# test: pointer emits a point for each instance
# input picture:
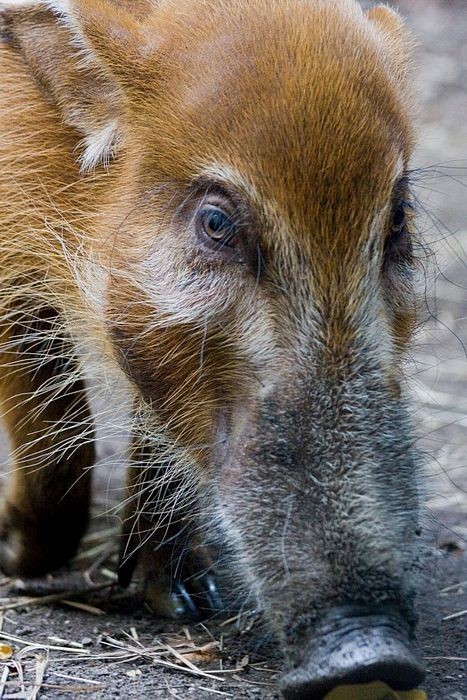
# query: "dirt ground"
(110, 646)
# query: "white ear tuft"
(69, 71)
(59, 6)
(63, 10)
(99, 147)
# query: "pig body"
(213, 199)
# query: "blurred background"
(438, 371)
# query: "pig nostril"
(357, 650)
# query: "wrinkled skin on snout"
(259, 295)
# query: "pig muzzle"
(354, 644)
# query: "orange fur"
(303, 112)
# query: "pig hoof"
(212, 594)
(176, 585)
(169, 598)
(176, 599)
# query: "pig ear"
(71, 48)
(111, 32)
(399, 41)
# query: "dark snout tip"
(359, 651)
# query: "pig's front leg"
(45, 505)
(160, 535)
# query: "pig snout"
(321, 495)
(355, 644)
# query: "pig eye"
(224, 228)
(399, 221)
(217, 226)
(398, 244)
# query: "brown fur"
(305, 104)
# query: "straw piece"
(3, 680)
(455, 615)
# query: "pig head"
(259, 291)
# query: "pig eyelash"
(401, 214)
(399, 242)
